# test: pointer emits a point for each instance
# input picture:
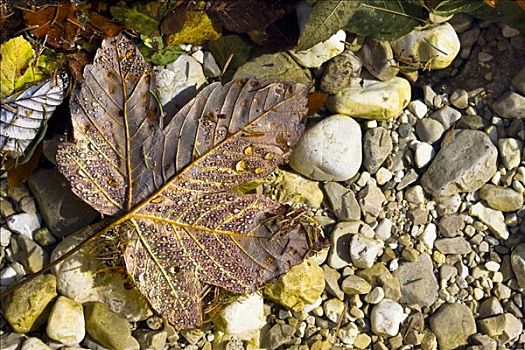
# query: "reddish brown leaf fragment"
(316, 100)
(57, 23)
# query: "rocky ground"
(421, 197)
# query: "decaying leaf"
(450, 7)
(58, 23)
(327, 17)
(386, 20)
(23, 114)
(18, 66)
(170, 178)
(282, 34)
(242, 16)
(134, 19)
(231, 50)
(185, 26)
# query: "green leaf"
(134, 19)
(449, 7)
(508, 12)
(230, 45)
(18, 68)
(386, 20)
(327, 17)
(166, 55)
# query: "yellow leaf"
(17, 54)
(18, 68)
(198, 27)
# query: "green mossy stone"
(27, 307)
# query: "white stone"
(364, 251)
(8, 276)
(182, 74)
(85, 278)
(386, 317)
(418, 108)
(424, 154)
(433, 47)
(383, 175)
(510, 152)
(5, 237)
(373, 99)
(494, 219)
(24, 224)
(66, 322)
(333, 308)
(383, 230)
(34, 344)
(318, 54)
(242, 318)
(492, 266)
(428, 236)
(340, 238)
(330, 150)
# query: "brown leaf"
(316, 100)
(242, 16)
(58, 23)
(16, 174)
(169, 179)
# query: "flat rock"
(386, 317)
(451, 225)
(371, 200)
(333, 308)
(433, 47)
(26, 308)
(510, 105)
(379, 275)
(301, 285)
(62, 211)
(330, 150)
(504, 328)
(179, 81)
(355, 285)
(66, 322)
(464, 164)
(447, 116)
(429, 130)
(418, 283)
(378, 58)
(452, 324)
(517, 259)
(501, 198)
(30, 254)
(373, 100)
(423, 154)
(85, 278)
(456, 245)
(492, 218)
(108, 328)
(318, 54)
(34, 344)
(24, 224)
(377, 146)
(342, 201)
(243, 318)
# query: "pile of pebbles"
(417, 181)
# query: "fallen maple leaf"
(168, 180)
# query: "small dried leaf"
(57, 23)
(189, 228)
(22, 115)
(242, 16)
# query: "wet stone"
(340, 71)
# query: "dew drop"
(248, 151)
(157, 200)
(240, 166)
(268, 156)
